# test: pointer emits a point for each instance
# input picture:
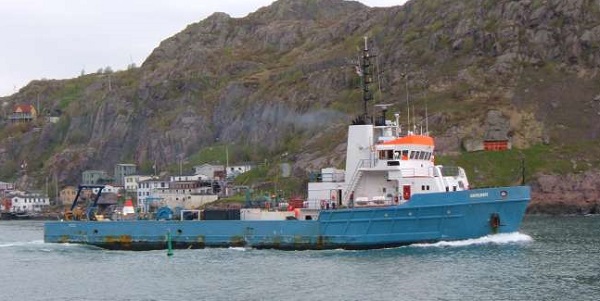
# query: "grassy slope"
(504, 168)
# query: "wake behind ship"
(391, 193)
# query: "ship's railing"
(450, 171)
(417, 172)
(320, 204)
(325, 177)
(365, 163)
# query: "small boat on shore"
(390, 194)
(15, 215)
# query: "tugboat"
(390, 194)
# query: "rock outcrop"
(566, 194)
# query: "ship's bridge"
(410, 148)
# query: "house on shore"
(122, 170)
(29, 203)
(23, 113)
(213, 172)
(95, 177)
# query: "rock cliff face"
(282, 81)
(566, 194)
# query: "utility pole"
(109, 83)
(522, 170)
(180, 157)
(38, 104)
(56, 186)
(226, 158)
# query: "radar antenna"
(384, 108)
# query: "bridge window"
(386, 154)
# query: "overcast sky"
(56, 39)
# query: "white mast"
(407, 105)
(414, 120)
(398, 128)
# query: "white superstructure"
(386, 168)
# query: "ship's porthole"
(179, 231)
(95, 231)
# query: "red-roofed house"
(23, 113)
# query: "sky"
(57, 39)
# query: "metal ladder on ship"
(354, 180)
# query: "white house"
(235, 170)
(4, 186)
(51, 119)
(148, 189)
(189, 194)
(196, 177)
(131, 182)
(29, 203)
(212, 171)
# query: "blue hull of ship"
(425, 218)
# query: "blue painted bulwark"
(425, 218)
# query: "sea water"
(551, 258)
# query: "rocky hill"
(279, 84)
